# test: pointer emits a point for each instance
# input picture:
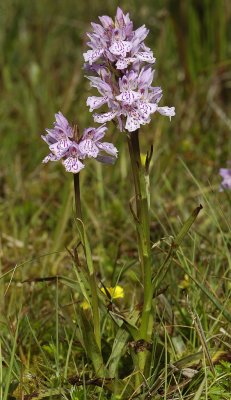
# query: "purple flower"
(117, 42)
(119, 60)
(226, 175)
(91, 145)
(64, 146)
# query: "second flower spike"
(65, 146)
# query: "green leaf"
(90, 345)
(175, 244)
(213, 299)
(186, 226)
(86, 244)
(119, 344)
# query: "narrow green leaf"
(200, 332)
(8, 378)
(200, 390)
(175, 244)
(119, 344)
(219, 306)
(186, 226)
(84, 240)
(91, 347)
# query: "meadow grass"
(41, 340)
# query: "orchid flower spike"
(121, 68)
(72, 151)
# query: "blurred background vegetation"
(41, 72)
(41, 47)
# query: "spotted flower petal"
(61, 147)
(101, 118)
(128, 96)
(168, 111)
(146, 56)
(123, 63)
(132, 123)
(72, 164)
(88, 148)
(93, 55)
(120, 48)
(95, 102)
(50, 157)
(134, 120)
(146, 108)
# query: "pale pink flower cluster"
(120, 67)
(65, 146)
(121, 70)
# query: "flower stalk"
(66, 145)
(78, 208)
(143, 235)
(92, 278)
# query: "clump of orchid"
(120, 67)
(121, 70)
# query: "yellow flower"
(184, 284)
(85, 305)
(116, 292)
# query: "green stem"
(134, 151)
(95, 309)
(92, 278)
(78, 208)
(143, 231)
